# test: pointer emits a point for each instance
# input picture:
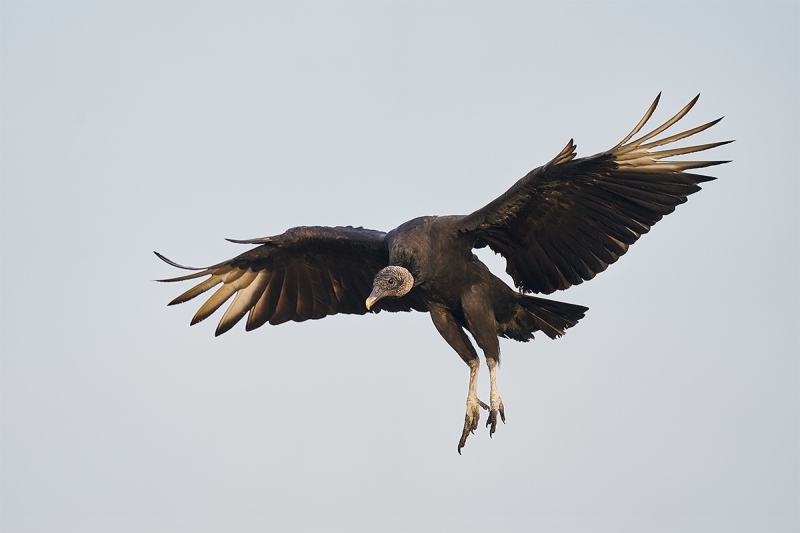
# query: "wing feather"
(198, 289)
(568, 220)
(304, 273)
(244, 300)
(265, 307)
(286, 309)
(215, 302)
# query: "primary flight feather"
(560, 225)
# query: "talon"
(464, 434)
(470, 421)
(492, 421)
(497, 407)
(462, 442)
(486, 407)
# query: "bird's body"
(440, 258)
(558, 226)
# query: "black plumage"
(558, 226)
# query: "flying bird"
(559, 225)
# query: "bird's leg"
(480, 318)
(473, 404)
(458, 340)
(496, 403)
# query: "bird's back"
(439, 257)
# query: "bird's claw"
(471, 420)
(491, 421)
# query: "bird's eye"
(390, 282)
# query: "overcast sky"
(129, 127)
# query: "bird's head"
(390, 282)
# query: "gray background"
(129, 127)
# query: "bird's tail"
(539, 314)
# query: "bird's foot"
(495, 409)
(471, 420)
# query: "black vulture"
(558, 226)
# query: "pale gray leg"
(482, 325)
(458, 340)
(494, 399)
(474, 404)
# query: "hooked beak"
(373, 297)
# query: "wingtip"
(260, 240)
(692, 102)
(224, 327)
(173, 263)
(566, 154)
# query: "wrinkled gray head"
(390, 282)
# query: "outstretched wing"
(567, 221)
(304, 273)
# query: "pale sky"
(128, 127)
